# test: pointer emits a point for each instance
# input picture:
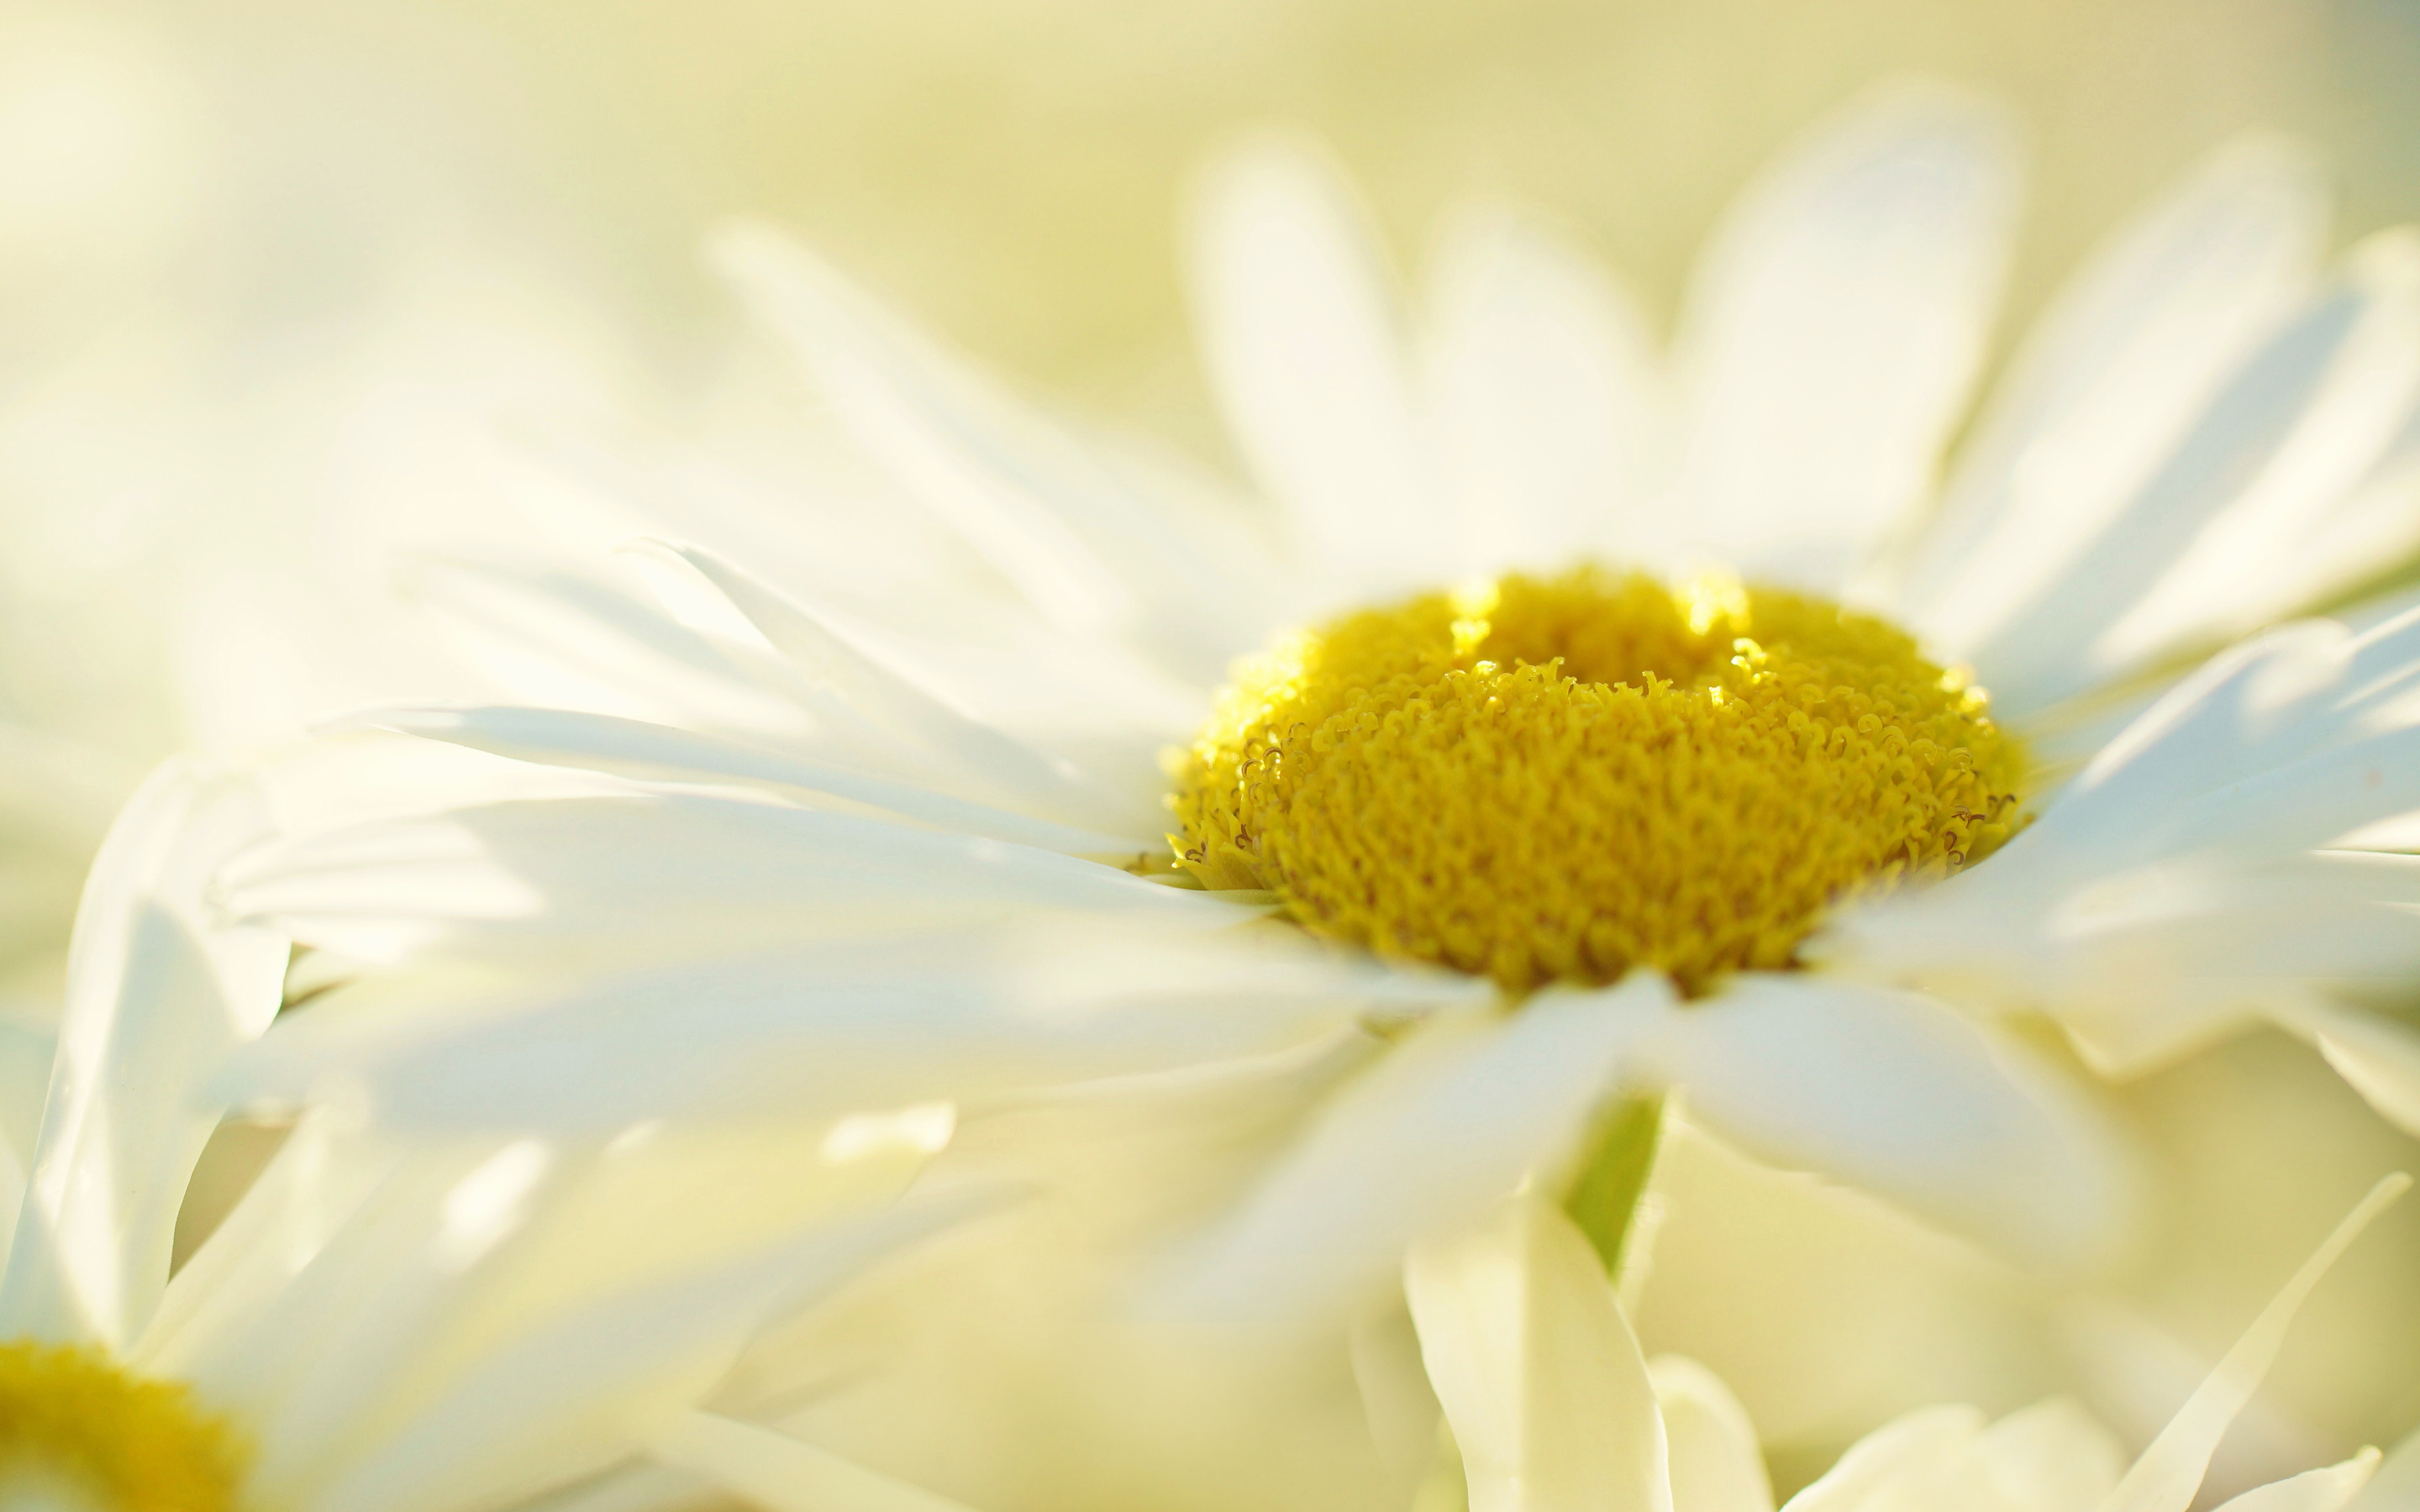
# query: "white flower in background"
(460, 1321)
(903, 783)
(1549, 1404)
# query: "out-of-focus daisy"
(1668, 800)
(454, 1321)
(1551, 1404)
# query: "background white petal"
(1893, 1093)
(1300, 331)
(1543, 1385)
(1548, 396)
(1832, 329)
(1448, 1120)
(158, 993)
(2130, 351)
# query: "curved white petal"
(974, 755)
(1083, 545)
(1710, 1445)
(1923, 1459)
(658, 876)
(2395, 1487)
(1549, 1400)
(1447, 1123)
(1301, 335)
(1546, 393)
(1834, 327)
(663, 753)
(158, 995)
(782, 1473)
(2169, 1473)
(2377, 1057)
(2172, 887)
(557, 638)
(825, 1031)
(1893, 1093)
(2327, 1490)
(2129, 353)
(2273, 453)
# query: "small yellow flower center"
(76, 1431)
(1545, 779)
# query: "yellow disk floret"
(75, 1430)
(1562, 778)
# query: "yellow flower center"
(75, 1430)
(1543, 780)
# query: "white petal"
(1546, 393)
(156, 997)
(2169, 1473)
(2052, 1456)
(1300, 330)
(977, 756)
(2130, 351)
(1081, 545)
(781, 1473)
(1893, 1093)
(1926, 1450)
(1447, 1123)
(571, 1396)
(1542, 1382)
(2288, 436)
(2395, 1487)
(1835, 325)
(804, 1033)
(2377, 1057)
(2314, 1490)
(2171, 888)
(635, 749)
(556, 639)
(615, 879)
(1712, 1447)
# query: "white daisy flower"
(1630, 731)
(1548, 1403)
(456, 1322)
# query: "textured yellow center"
(1545, 779)
(77, 1431)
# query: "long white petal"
(949, 1016)
(782, 1473)
(2327, 1490)
(1894, 1094)
(1708, 1442)
(157, 996)
(1834, 327)
(557, 638)
(2169, 1472)
(2131, 349)
(1546, 395)
(977, 756)
(1931, 1449)
(2290, 434)
(639, 877)
(1083, 545)
(1448, 1122)
(1300, 333)
(655, 752)
(2377, 1057)
(1543, 1385)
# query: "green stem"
(1615, 1165)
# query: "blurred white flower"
(460, 1320)
(1551, 1404)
